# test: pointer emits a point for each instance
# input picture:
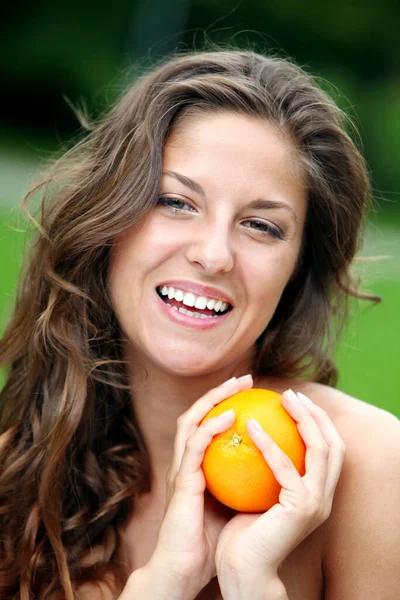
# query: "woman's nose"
(211, 249)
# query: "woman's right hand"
(188, 536)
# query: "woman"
(203, 231)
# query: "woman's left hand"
(251, 547)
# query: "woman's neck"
(160, 398)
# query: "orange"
(235, 470)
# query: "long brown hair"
(71, 455)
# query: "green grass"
(369, 353)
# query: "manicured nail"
(231, 380)
(256, 424)
(304, 399)
(226, 414)
(293, 396)
(246, 378)
(298, 407)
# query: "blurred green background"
(85, 53)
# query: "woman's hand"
(188, 536)
(251, 547)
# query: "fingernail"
(293, 396)
(246, 378)
(298, 406)
(226, 414)
(231, 380)
(304, 398)
(256, 424)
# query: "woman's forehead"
(233, 148)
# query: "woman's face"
(228, 227)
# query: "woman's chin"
(201, 364)
(190, 368)
(190, 359)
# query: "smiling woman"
(213, 227)
(204, 229)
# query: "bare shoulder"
(362, 535)
(371, 434)
(360, 424)
(360, 541)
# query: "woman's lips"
(197, 289)
(174, 315)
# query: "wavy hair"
(71, 456)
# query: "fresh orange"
(235, 470)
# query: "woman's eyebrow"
(255, 205)
(186, 181)
(266, 204)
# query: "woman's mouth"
(197, 307)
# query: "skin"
(211, 241)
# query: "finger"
(196, 446)
(190, 420)
(317, 450)
(201, 407)
(337, 449)
(280, 464)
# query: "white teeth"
(211, 304)
(218, 305)
(189, 299)
(193, 314)
(174, 307)
(201, 303)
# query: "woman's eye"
(265, 229)
(174, 204)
